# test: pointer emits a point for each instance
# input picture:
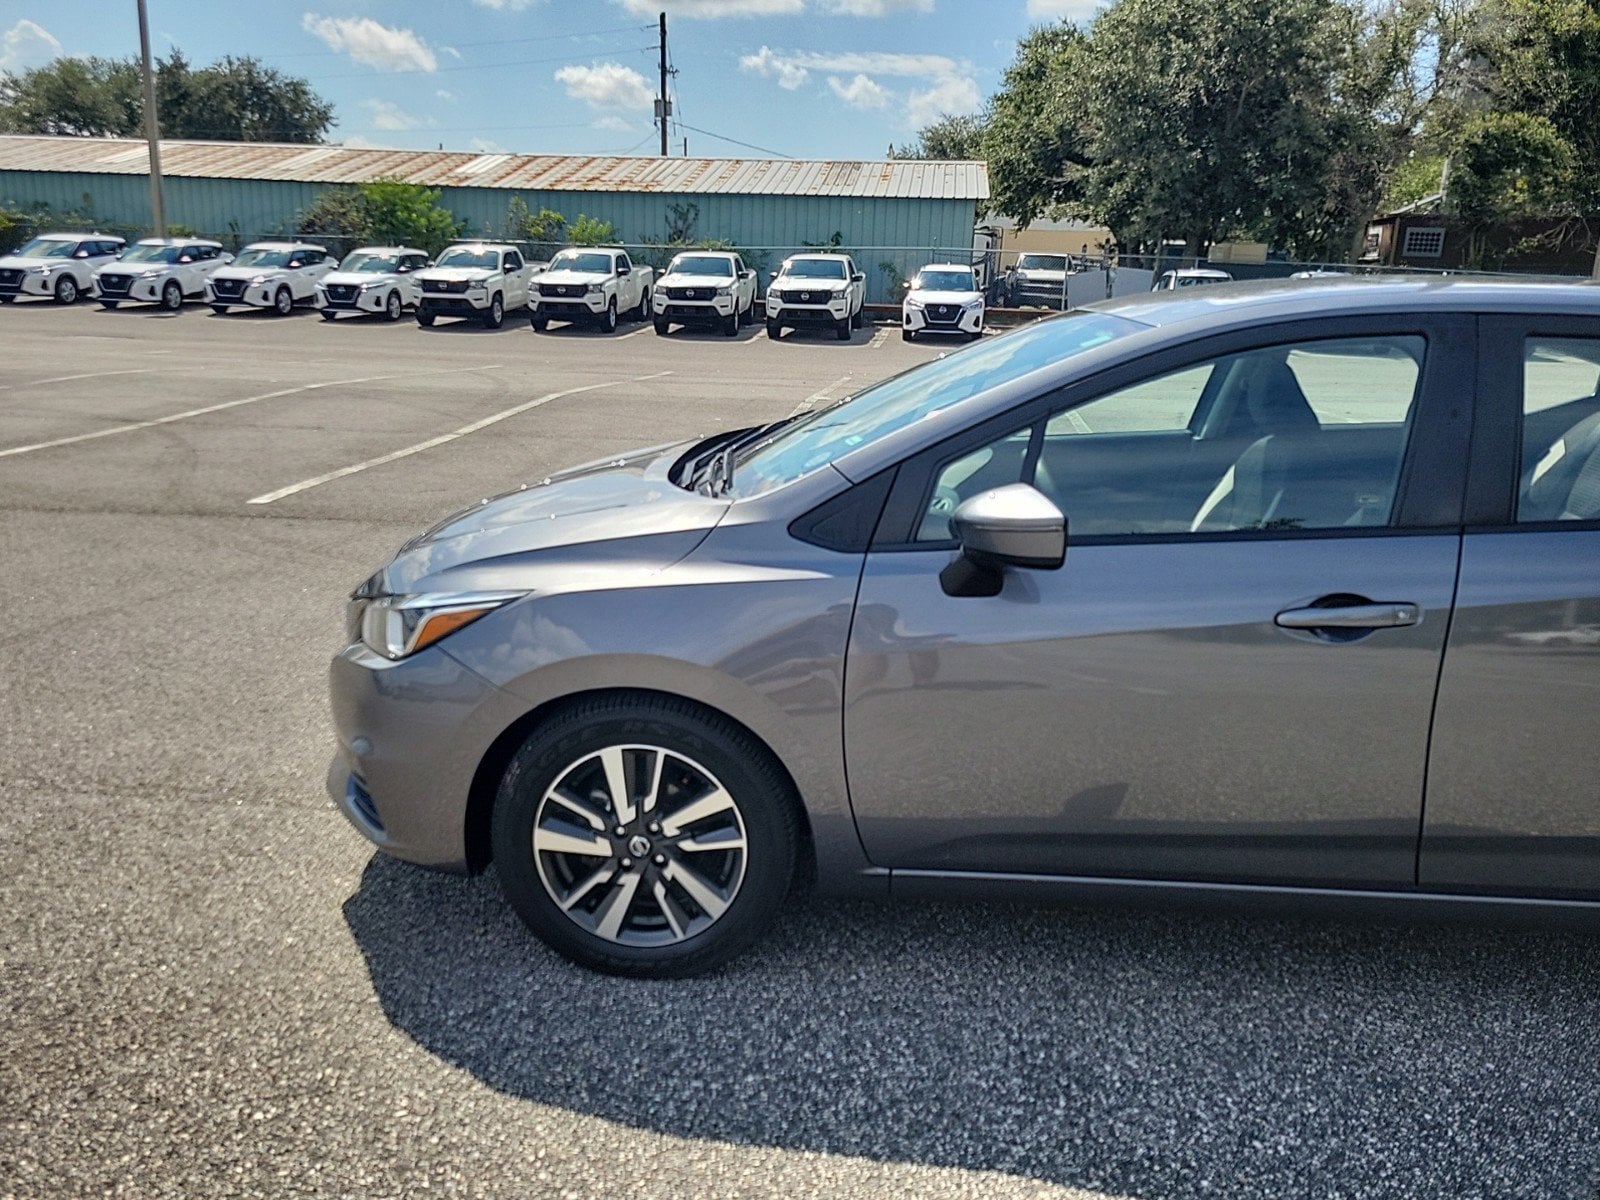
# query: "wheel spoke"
(614, 909)
(617, 783)
(589, 817)
(653, 792)
(702, 893)
(555, 841)
(722, 839)
(715, 801)
(669, 909)
(603, 875)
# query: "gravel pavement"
(210, 986)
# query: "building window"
(1423, 242)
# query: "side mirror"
(624, 269)
(772, 274)
(857, 277)
(80, 254)
(1011, 526)
(508, 268)
(184, 258)
(905, 284)
(295, 264)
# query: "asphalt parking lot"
(210, 986)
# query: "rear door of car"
(1513, 800)
(1170, 704)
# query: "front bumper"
(454, 306)
(31, 285)
(808, 314)
(368, 300)
(694, 312)
(935, 319)
(143, 291)
(569, 308)
(410, 737)
(253, 296)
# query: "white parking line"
(823, 394)
(211, 408)
(878, 338)
(318, 481)
(11, 387)
(635, 333)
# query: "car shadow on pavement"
(1137, 1053)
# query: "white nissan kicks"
(274, 275)
(373, 279)
(164, 271)
(942, 298)
(56, 265)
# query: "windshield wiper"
(719, 470)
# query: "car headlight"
(913, 302)
(398, 626)
(150, 274)
(596, 289)
(725, 291)
(258, 280)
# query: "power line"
(737, 142)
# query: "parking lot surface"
(210, 985)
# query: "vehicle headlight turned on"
(399, 626)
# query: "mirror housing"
(1011, 526)
(857, 277)
(624, 269)
(772, 274)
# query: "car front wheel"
(645, 837)
(172, 296)
(66, 290)
(283, 302)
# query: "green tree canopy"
(387, 212)
(958, 137)
(235, 99)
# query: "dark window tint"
(1560, 478)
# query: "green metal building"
(249, 190)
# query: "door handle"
(1391, 615)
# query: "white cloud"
(789, 74)
(386, 114)
(451, 51)
(27, 45)
(951, 96)
(607, 85)
(713, 8)
(371, 44)
(506, 5)
(485, 146)
(875, 8)
(446, 95)
(1062, 10)
(612, 125)
(357, 142)
(861, 92)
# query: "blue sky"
(799, 78)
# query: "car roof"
(1288, 299)
(387, 250)
(1199, 273)
(943, 267)
(80, 237)
(818, 254)
(172, 241)
(271, 244)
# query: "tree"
(545, 225)
(385, 211)
(1505, 166)
(1040, 125)
(950, 137)
(236, 99)
(587, 231)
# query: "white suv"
(164, 271)
(816, 291)
(61, 265)
(373, 279)
(275, 275)
(942, 298)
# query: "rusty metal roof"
(926, 179)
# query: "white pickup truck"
(595, 285)
(474, 279)
(706, 287)
(816, 291)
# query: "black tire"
(907, 336)
(495, 315)
(6, 299)
(841, 329)
(972, 337)
(172, 295)
(774, 330)
(730, 327)
(109, 304)
(662, 328)
(426, 319)
(641, 312)
(393, 307)
(859, 320)
(219, 308)
(748, 317)
(327, 314)
(607, 322)
(763, 804)
(539, 324)
(282, 301)
(67, 291)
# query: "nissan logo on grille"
(339, 291)
(228, 287)
(943, 311)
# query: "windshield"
(902, 400)
(943, 281)
(263, 258)
(147, 253)
(701, 264)
(1043, 262)
(1198, 280)
(814, 268)
(487, 260)
(578, 260)
(46, 248)
(369, 262)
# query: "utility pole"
(663, 105)
(152, 126)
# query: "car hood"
(12, 262)
(133, 268)
(573, 277)
(696, 281)
(796, 283)
(459, 274)
(357, 278)
(932, 297)
(617, 510)
(249, 273)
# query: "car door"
(516, 280)
(1512, 776)
(1230, 678)
(191, 269)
